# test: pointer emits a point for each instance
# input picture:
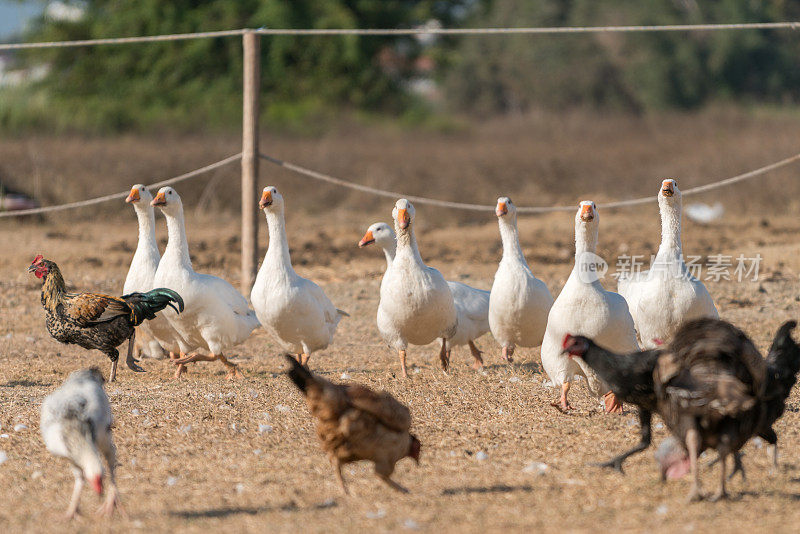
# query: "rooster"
(709, 385)
(76, 425)
(96, 321)
(356, 423)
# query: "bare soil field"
(196, 455)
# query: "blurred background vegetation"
(311, 81)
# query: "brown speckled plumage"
(355, 423)
(94, 320)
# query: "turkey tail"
(144, 306)
(299, 374)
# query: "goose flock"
(417, 306)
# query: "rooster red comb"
(37, 260)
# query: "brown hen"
(356, 423)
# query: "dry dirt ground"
(197, 454)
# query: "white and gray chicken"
(76, 425)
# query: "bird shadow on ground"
(528, 366)
(498, 488)
(25, 383)
(248, 510)
(770, 493)
(221, 512)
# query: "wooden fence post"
(250, 156)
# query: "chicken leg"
(72, 508)
(646, 437)
(392, 484)
(304, 357)
(476, 354)
(508, 352)
(384, 471)
(112, 377)
(129, 359)
(337, 468)
(693, 446)
(444, 356)
(738, 466)
(721, 492)
(112, 501)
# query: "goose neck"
(407, 244)
(389, 251)
(585, 239)
(670, 228)
(509, 235)
(278, 249)
(177, 244)
(147, 229)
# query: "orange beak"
(403, 219)
(160, 200)
(368, 239)
(97, 484)
(133, 196)
(586, 213)
(266, 200)
(501, 210)
(667, 188)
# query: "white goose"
(416, 304)
(585, 308)
(216, 316)
(143, 265)
(519, 301)
(296, 309)
(667, 295)
(472, 305)
(145, 260)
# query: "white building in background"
(63, 11)
(11, 77)
(15, 77)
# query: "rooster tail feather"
(785, 331)
(783, 346)
(144, 306)
(299, 374)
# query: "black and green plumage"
(94, 320)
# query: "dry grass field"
(207, 454)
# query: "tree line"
(197, 83)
